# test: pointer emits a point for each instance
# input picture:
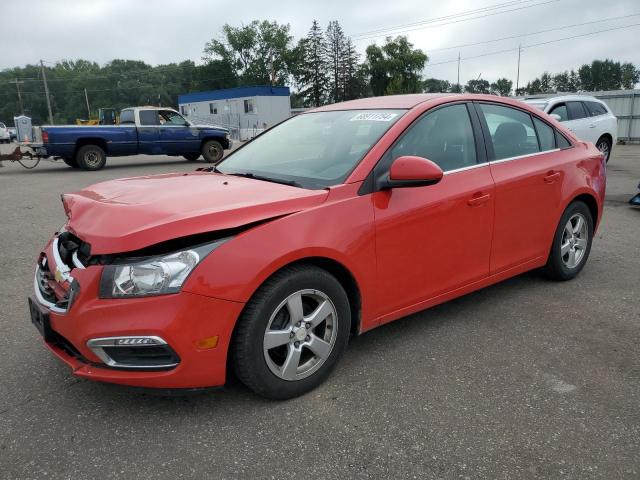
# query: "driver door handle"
(551, 177)
(478, 200)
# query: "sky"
(164, 31)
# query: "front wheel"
(212, 151)
(292, 332)
(91, 157)
(571, 243)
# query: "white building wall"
(267, 111)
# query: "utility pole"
(86, 97)
(46, 92)
(518, 75)
(458, 83)
(18, 83)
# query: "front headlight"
(156, 275)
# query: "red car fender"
(340, 231)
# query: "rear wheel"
(571, 243)
(192, 157)
(71, 162)
(91, 157)
(212, 151)
(292, 332)
(604, 145)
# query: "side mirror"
(555, 116)
(410, 171)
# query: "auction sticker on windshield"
(374, 117)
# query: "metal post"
(518, 76)
(46, 92)
(18, 83)
(86, 97)
(458, 83)
(633, 99)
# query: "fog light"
(206, 343)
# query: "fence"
(625, 105)
(230, 121)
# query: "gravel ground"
(525, 379)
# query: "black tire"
(558, 265)
(248, 352)
(212, 151)
(71, 162)
(192, 157)
(91, 157)
(604, 145)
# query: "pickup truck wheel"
(71, 162)
(91, 157)
(192, 157)
(212, 151)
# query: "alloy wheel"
(603, 146)
(574, 241)
(300, 335)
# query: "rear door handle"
(552, 177)
(478, 200)
(592, 125)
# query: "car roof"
(390, 101)
(563, 98)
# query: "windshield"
(314, 150)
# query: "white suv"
(589, 118)
(5, 136)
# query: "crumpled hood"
(132, 213)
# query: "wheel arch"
(223, 140)
(590, 201)
(97, 141)
(606, 135)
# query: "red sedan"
(331, 223)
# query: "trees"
(502, 87)
(477, 86)
(312, 75)
(395, 67)
(435, 85)
(258, 53)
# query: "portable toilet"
(24, 130)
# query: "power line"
(520, 35)
(535, 44)
(437, 19)
(456, 21)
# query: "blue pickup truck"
(142, 130)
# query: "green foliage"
(477, 86)
(395, 67)
(312, 74)
(260, 53)
(502, 87)
(435, 85)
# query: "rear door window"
(126, 117)
(148, 117)
(561, 111)
(546, 135)
(511, 130)
(576, 110)
(595, 109)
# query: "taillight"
(45, 136)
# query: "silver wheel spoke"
(294, 306)
(564, 248)
(579, 224)
(568, 230)
(572, 258)
(581, 243)
(319, 346)
(276, 338)
(319, 314)
(290, 365)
